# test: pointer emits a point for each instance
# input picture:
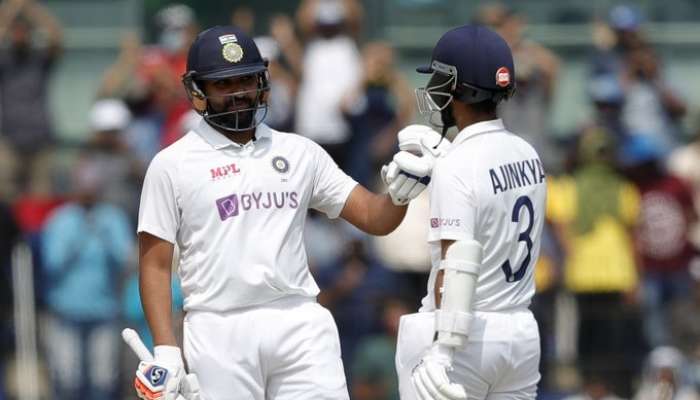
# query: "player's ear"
(195, 94)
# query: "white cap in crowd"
(109, 115)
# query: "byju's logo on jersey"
(232, 205)
(438, 222)
(225, 171)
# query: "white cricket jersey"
(237, 213)
(490, 187)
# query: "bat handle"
(134, 341)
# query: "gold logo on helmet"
(232, 52)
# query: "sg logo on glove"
(156, 375)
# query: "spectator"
(330, 68)
(652, 107)
(373, 371)
(108, 151)
(25, 70)
(663, 377)
(86, 244)
(662, 234)
(685, 163)
(121, 80)
(283, 86)
(379, 107)
(614, 38)
(351, 289)
(536, 74)
(593, 211)
(149, 79)
(608, 98)
(244, 19)
(307, 15)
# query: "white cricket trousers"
(500, 360)
(284, 350)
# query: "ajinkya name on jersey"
(516, 174)
(232, 205)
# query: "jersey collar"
(219, 141)
(478, 128)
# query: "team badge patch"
(232, 52)
(280, 164)
(503, 77)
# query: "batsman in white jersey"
(233, 194)
(474, 336)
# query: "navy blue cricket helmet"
(225, 52)
(470, 63)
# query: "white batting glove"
(423, 141)
(408, 174)
(430, 379)
(164, 377)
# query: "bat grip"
(134, 341)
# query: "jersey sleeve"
(331, 186)
(159, 213)
(453, 206)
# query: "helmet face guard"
(237, 120)
(435, 98)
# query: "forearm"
(156, 300)
(372, 213)
(383, 216)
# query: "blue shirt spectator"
(84, 251)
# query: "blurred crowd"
(618, 278)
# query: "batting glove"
(408, 174)
(430, 379)
(423, 141)
(164, 378)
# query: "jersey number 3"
(523, 237)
